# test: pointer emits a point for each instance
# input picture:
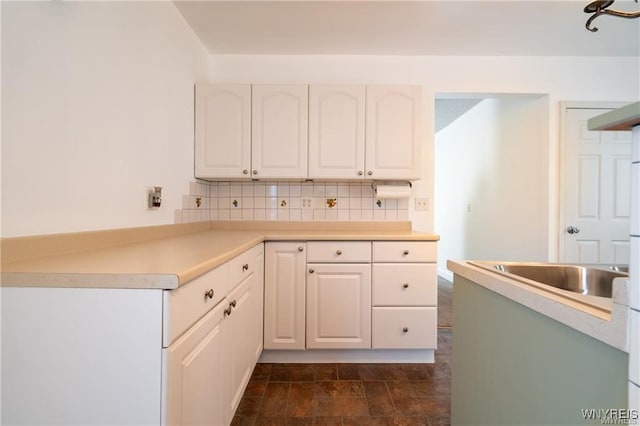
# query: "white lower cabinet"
(338, 306)
(404, 328)
(206, 370)
(195, 374)
(238, 340)
(355, 295)
(284, 295)
(405, 295)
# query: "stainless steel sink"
(595, 281)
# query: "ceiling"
(423, 28)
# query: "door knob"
(573, 230)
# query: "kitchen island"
(525, 355)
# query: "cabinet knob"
(245, 172)
(227, 311)
(245, 267)
(406, 252)
(339, 252)
(311, 271)
(300, 248)
(360, 173)
(233, 303)
(369, 172)
(405, 285)
(255, 172)
(405, 329)
(209, 294)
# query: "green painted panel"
(514, 366)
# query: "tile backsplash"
(288, 201)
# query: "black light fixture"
(600, 7)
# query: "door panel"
(596, 191)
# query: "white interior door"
(596, 191)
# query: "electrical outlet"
(307, 203)
(422, 204)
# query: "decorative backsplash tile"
(288, 201)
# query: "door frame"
(564, 106)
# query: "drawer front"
(338, 251)
(243, 265)
(404, 328)
(405, 251)
(185, 305)
(404, 284)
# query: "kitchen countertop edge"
(608, 328)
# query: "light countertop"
(602, 318)
(169, 262)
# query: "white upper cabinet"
(279, 131)
(308, 132)
(393, 132)
(336, 132)
(223, 131)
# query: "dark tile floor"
(354, 394)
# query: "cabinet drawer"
(185, 305)
(405, 251)
(243, 265)
(338, 251)
(389, 325)
(404, 284)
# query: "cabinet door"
(238, 342)
(192, 388)
(279, 131)
(336, 132)
(258, 311)
(284, 295)
(223, 131)
(393, 132)
(338, 306)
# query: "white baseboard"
(446, 274)
(349, 356)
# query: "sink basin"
(589, 280)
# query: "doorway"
(492, 179)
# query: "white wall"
(561, 78)
(492, 183)
(97, 107)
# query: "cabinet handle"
(227, 311)
(339, 252)
(405, 329)
(209, 294)
(245, 267)
(300, 248)
(369, 172)
(311, 271)
(406, 252)
(405, 285)
(255, 172)
(360, 173)
(233, 303)
(245, 172)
